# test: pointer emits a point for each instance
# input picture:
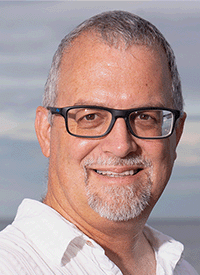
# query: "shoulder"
(184, 268)
(16, 254)
(169, 253)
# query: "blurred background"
(29, 35)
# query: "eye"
(84, 115)
(90, 117)
(144, 117)
(148, 117)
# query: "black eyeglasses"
(95, 122)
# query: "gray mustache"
(114, 161)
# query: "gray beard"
(119, 203)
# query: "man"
(110, 124)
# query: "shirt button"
(89, 243)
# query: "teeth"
(113, 174)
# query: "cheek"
(69, 153)
(78, 149)
(162, 154)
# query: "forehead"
(93, 72)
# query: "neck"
(102, 230)
(126, 245)
(124, 242)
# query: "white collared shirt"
(40, 241)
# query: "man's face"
(119, 175)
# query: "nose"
(119, 142)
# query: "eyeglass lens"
(96, 122)
(88, 122)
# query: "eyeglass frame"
(116, 113)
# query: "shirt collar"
(167, 250)
(51, 233)
(46, 229)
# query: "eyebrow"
(84, 102)
(89, 103)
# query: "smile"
(114, 174)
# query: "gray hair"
(113, 28)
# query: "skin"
(94, 73)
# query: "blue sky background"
(29, 35)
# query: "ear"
(43, 128)
(179, 128)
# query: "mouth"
(113, 174)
